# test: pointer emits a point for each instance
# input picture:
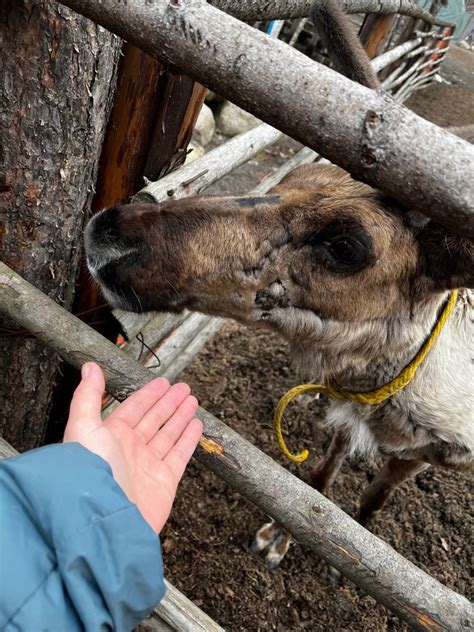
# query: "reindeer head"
(319, 247)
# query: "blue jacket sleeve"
(75, 553)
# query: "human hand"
(147, 441)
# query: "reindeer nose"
(104, 240)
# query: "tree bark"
(318, 524)
(58, 75)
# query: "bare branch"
(201, 173)
(251, 10)
(366, 132)
(314, 520)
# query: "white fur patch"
(362, 441)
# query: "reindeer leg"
(392, 473)
(273, 537)
(325, 472)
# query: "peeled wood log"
(385, 59)
(366, 132)
(175, 611)
(251, 10)
(314, 521)
(302, 157)
(199, 174)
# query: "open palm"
(147, 441)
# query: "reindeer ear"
(447, 260)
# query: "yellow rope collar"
(373, 397)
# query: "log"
(175, 611)
(385, 59)
(302, 157)
(366, 132)
(375, 33)
(149, 129)
(58, 78)
(252, 10)
(200, 174)
(314, 521)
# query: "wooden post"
(375, 32)
(150, 126)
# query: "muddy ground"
(239, 377)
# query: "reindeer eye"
(346, 251)
(341, 247)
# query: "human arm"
(76, 552)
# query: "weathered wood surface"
(174, 612)
(201, 173)
(364, 131)
(314, 521)
(375, 33)
(150, 126)
(180, 102)
(302, 157)
(394, 54)
(58, 76)
(131, 123)
(251, 10)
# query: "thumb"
(86, 404)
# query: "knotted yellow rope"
(373, 397)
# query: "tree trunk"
(58, 73)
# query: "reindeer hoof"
(277, 550)
(335, 576)
(277, 541)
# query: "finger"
(84, 411)
(171, 431)
(133, 409)
(180, 454)
(162, 411)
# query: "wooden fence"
(226, 55)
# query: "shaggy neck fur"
(362, 356)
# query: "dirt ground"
(239, 377)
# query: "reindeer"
(345, 276)
(351, 280)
